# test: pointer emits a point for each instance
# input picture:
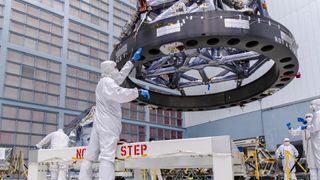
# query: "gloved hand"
(137, 55)
(281, 157)
(302, 120)
(289, 125)
(144, 93)
(303, 127)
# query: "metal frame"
(260, 37)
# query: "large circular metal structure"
(252, 36)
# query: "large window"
(80, 89)
(121, 14)
(36, 28)
(23, 123)
(31, 78)
(133, 111)
(68, 118)
(86, 45)
(164, 134)
(1, 17)
(56, 4)
(132, 133)
(168, 118)
(93, 11)
(24, 127)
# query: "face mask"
(309, 120)
(286, 143)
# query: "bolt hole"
(213, 41)
(252, 44)
(285, 79)
(279, 85)
(233, 42)
(288, 73)
(267, 48)
(285, 60)
(289, 66)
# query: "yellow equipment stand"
(256, 162)
(288, 155)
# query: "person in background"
(314, 128)
(57, 140)
(306, 142)
(287, 147)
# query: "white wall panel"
(302, 18)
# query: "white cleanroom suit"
(57, 140)
(281, 154)
(107, 123)
(307, 147)
(314, 128)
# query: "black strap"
(296, 163)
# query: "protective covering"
(107, 122)
(57, 140)
(281, 154)
(306, 141)
(314, 129)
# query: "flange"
(215, 29)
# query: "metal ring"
(211, 29)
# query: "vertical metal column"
(222, 158)
(64, 63)
(4, 42)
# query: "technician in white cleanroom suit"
(280, 154)
(57, 140)
(306, 142)
(314, 129)
(107, 123)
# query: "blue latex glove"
(281, 157)
(209, 87)
(289, 125)
(302, 120)
(137, 55)
(145, 93)
(304, 127)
